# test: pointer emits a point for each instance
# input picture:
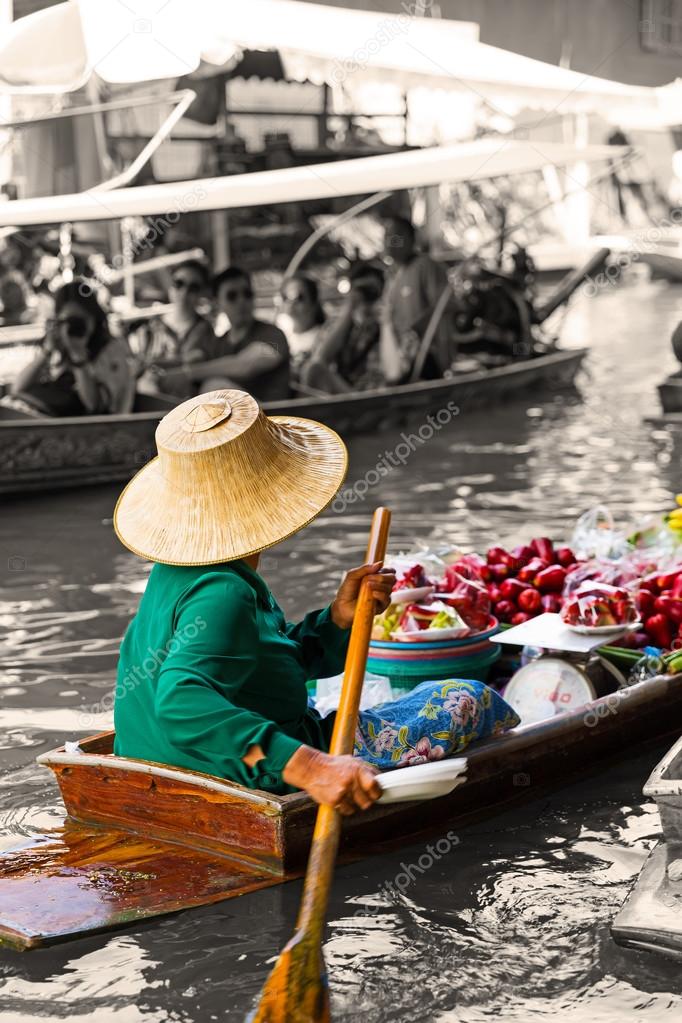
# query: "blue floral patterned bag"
(434, 720)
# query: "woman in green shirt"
(211, 676)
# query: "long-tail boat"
(43, 454)
(142, 839)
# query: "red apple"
(530, 601)
(505, 610)
(565, 557)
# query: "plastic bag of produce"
(469, 597)
(619, 572)
(595, 535)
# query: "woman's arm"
(335, 337)
(87, 388)
(323, 635)
(393, 362)
(242, 367)
(197, 697)
(345, 783)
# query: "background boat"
(43, 454)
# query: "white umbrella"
(141, 40)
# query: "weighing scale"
(564, 671)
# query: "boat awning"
(58, 49)
(468, 161)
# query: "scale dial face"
(547, 687)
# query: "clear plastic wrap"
(469, 597)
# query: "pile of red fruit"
(659, 603)
(528, 580)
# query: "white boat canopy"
(58, 49)
(467, 161)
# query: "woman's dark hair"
(82, 293)
(401, 224)
(199, 268)
(230, 273)
(312, 292)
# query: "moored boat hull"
(38, 455)
(651, 917)
(175, 815)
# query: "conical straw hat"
(228, 481)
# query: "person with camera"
(348, 357)
(80, 369)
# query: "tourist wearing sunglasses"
(253, 354)
(166, 344)
(80, 369)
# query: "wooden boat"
(43, 454)
(651, 917)
(141, 839)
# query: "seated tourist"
(302, 320)
(80, 369)
(412, 293)
(349, 356)
(228, 694)
(165, 345)
(13, 300)
(253, 353)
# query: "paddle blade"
(296, 990)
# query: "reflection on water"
(513, 921)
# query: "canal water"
(512, 921)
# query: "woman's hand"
(75, 349)
(381, 582)
(345, 783)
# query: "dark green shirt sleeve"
(209, 660)
(323, 644)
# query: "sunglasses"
(76, 326)
(233, 294)
(180, 284)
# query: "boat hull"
(651, 917)
(248, 839)
(44, 454)
(670, 393)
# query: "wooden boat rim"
(521, 736)
(293, 406)
(60, 758)
(657, 784)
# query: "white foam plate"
(412, 596)
(602, 630)
(423, 781)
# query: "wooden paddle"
(296, 990)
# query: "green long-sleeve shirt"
(210, 667)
